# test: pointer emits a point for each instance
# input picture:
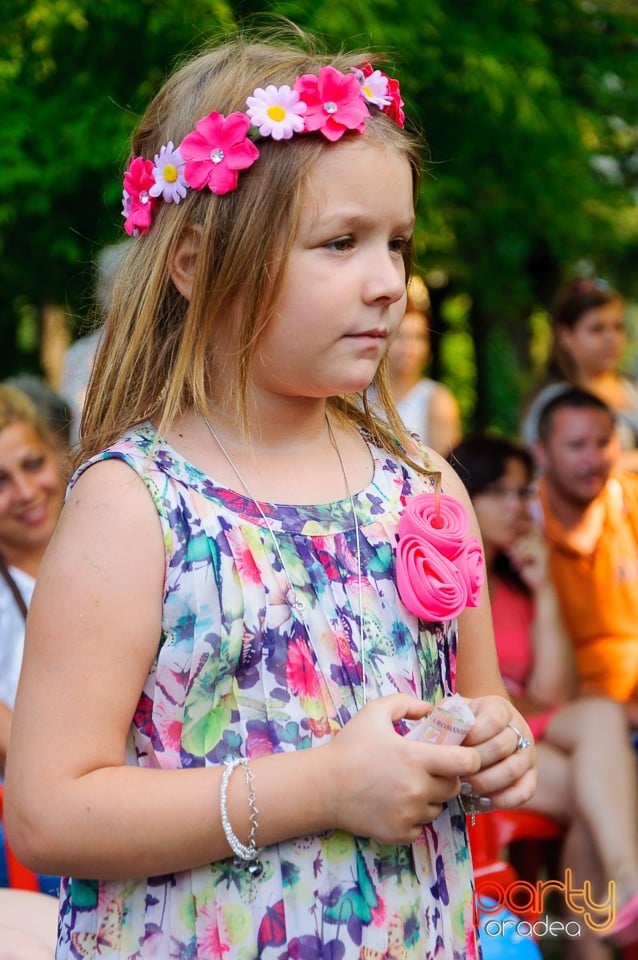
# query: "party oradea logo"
(529, 904)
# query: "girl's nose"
(386, 282)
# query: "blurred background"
(529, 108)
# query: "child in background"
(219, 663)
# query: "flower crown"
(219, 147)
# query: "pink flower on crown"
(392, 96)
(137, 203)
(216, 150)
(334, 101)
(276, 111)
(168, 174)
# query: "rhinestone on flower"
(335, 102)
(216, 150)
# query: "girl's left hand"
(507, 775)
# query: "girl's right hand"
(383, 786)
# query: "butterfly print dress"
(235, 675)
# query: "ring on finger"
(522, 743)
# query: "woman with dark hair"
(587, 770)
(589, 340)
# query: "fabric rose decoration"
(440, 569)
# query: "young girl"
(219, 665)
(587, 770)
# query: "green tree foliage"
(528, 107)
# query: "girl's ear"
(183, 264)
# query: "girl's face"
(31, 490)
(343, 295)
(501, 509)
(410, 349)
(596, 342)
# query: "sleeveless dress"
(238, 672)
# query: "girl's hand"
(386, 787)
(507, 775)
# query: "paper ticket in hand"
(448, 723)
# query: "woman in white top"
(427, 408)
(31, 495)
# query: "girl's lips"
(374, 334)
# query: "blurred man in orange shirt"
(590, 515)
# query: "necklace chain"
(296, 603)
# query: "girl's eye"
(340, 245)
(399, 245)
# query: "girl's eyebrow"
(355, 219)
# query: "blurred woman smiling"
(31, 495)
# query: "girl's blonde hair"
(161, 354)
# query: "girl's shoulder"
(144, 450)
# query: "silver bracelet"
(244, 851)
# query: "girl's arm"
(73, 807)
(507, 776)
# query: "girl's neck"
(294, 461)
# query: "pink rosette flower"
(137, 203)
(392, 102)
(216, 150)
(430, 585)
(438, 518)
(334, 100)
(471, 562)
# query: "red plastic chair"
(19, 876)
(495, 867)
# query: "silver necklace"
(296, 602)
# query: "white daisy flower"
(374, 88)
(276, 111)
(168, 174)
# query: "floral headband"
(219, 147)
